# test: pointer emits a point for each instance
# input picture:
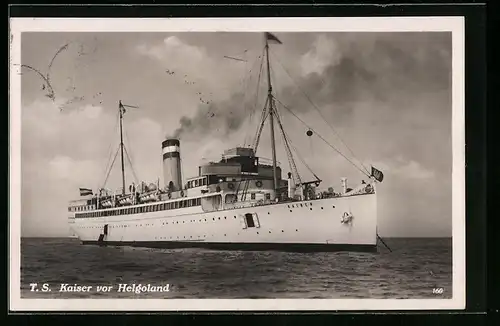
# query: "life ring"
(230, 186)
(369, 189)
(182, 193)
(258, 183)
(345, 217)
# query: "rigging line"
(321, 114)
(291, 161)
(130, 158)
(323, 139)
(108, 166)
(107, 176)
(256, 96)
(259, 130)
(301, 158)
(246, 76)
(131, 166)
(298, 154)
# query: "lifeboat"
(127, 200)
(148, 197)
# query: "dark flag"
(85, 192)
(272, 38)
(377, 174)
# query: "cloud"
(323, 53)
(62, 151)
(386, 94)
(415, 171)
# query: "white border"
(338, 24)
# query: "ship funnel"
(172, 164)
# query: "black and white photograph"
(237, 164)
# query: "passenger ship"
(237, 203)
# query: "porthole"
(310, 208)
(321, 207)
(296, 230)
(290, 211)
(282, 231)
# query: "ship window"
(249, 220)
(268, 196)
(252, 195)
(199, 201)
(176, 205)
(204, 181)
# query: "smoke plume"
(217, 119)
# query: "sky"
(381, 99)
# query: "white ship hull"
(314, 225)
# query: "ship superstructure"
(241, 202)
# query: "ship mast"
(271, 118)
(122, 109)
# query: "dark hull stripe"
(171, 154)
(170, 142)
(290, 247)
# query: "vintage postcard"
(237, 164)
